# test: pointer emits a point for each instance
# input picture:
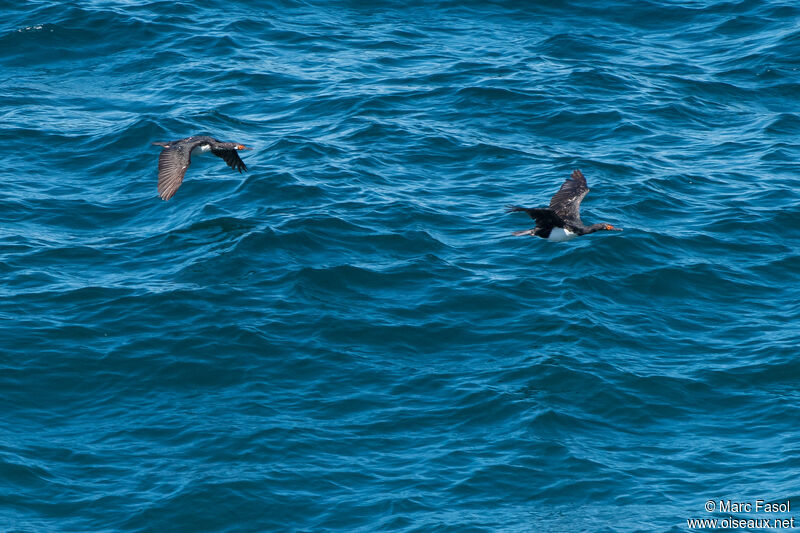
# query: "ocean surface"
(347, 337)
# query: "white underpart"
(561, 235)
(202, 148)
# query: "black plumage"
(176, 157)
(563, 213)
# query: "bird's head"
(242, 147)
(609, 227)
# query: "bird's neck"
(591, 229)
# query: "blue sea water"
(347, 337)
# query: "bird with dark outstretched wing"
(176, 157)
(562, 220)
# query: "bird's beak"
(616, 229)
(242, 147)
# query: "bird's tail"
(514, 208)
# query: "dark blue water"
(347, 337)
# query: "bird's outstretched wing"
(567, 201)
(231, 158)
(172, 165)
(544, 217)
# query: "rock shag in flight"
(177, 155)
(562, 220)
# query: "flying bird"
(562, 220)
(177, 155)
